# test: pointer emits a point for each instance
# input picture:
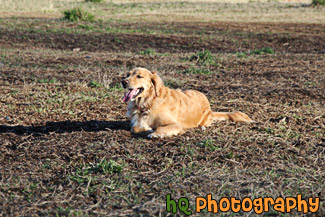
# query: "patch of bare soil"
(221, 37)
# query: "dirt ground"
(65, 144)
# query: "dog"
(158, 111)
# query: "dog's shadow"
(66, 127)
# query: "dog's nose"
(124, 82)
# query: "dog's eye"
(128, 75)
(139, 76)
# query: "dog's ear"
(157, 83)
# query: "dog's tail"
(233, 116)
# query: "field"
(65, 144)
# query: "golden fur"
(162, 112)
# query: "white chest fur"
(138, 118)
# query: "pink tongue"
(129, 95)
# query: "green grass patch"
(318, 2)
(209, 144)
(173, 83)
(47, 81)
(149, 52)
(103, 167)
(94, 1)
(117, 87)
(90, 171)
(85, 27)
(204, 57)
(194, 70)
(78, 14)
(241, 54)
(264, 50)
(94, 84)
(60, 211)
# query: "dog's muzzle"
(124, 83)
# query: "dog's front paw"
(155, 135)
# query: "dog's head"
(140, 82)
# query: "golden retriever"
(159, 111)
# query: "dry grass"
(170, 11)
